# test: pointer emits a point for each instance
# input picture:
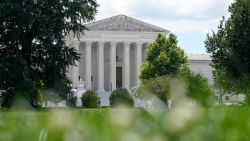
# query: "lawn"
(181, 124)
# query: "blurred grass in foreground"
(180, 124)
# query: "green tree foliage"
(90, 99)
(32, 46)
(122, 97)
(197, 87)
(230, 49)
(163, 57)
(71, 100)
(186, 84)
(159, 86)
(164, 60)
(165, 64)
(62, 87)
(1, 97)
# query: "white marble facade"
(110, 44)
(116, 44)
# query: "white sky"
(190, 20)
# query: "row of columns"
(126, 64)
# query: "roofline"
(154, 26)
(199, 57)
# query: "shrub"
(159, 86)
(121, 96)
(1, 96)
(71, 100)
(90, 99)
(186, 84)
(198, 88)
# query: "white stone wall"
(203, 67)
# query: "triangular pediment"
(123, 23)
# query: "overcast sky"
(190, 20)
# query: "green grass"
(182, 124)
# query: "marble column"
(113, 65)
(101, 67)
(126, 66)
(75, 69)
(88, 73)
(138, 60)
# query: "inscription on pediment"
(123, 23)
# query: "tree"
(164, 60)
(32, 47)
(230, 49)
(164, 57)
(165, 65)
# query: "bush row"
(118, 97)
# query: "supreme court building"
(112, 51)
